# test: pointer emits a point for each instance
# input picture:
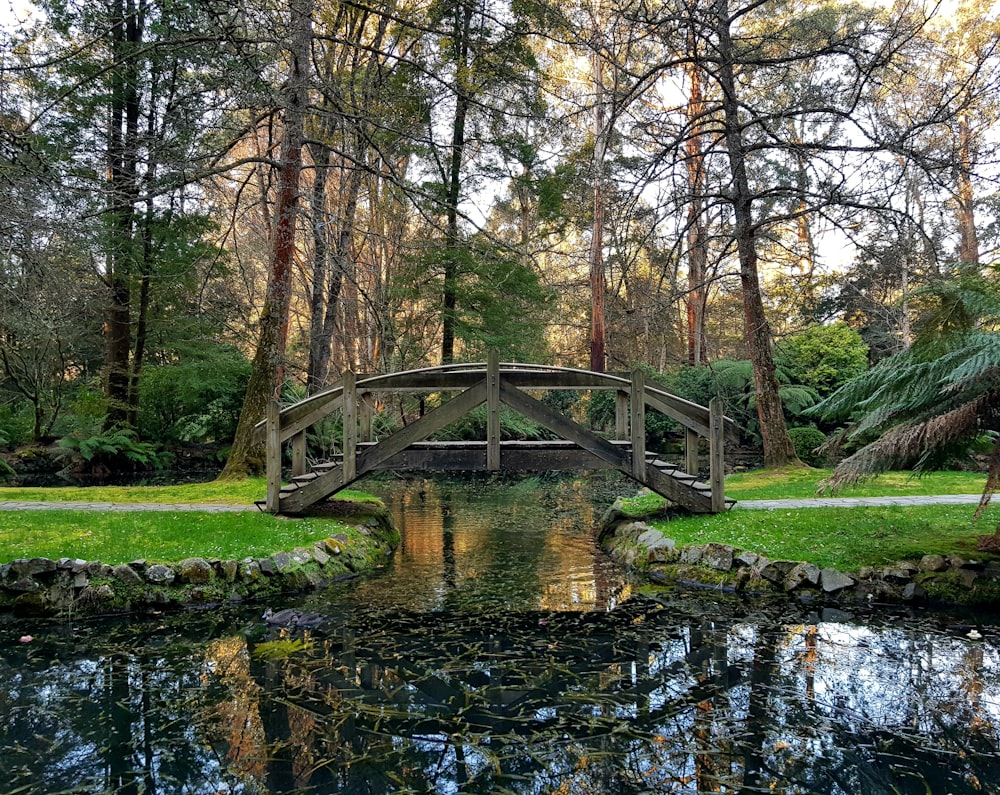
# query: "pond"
(499, 652)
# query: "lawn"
(844, 538)
(157, 536)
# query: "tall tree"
(269, 360)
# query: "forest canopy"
(209, 203)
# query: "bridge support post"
(493, 411)
(272, 455)
(717, 454)
(621, 415)
(691, 451)
(350, 425)
(299, 454)
(365, 407)
(637, 422)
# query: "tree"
(936, 401)
(267, 373)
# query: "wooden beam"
(691, 451)
(432, 422)
(350, 426)
(717, 455)
(299, 454)
(621, 414)
(563, 426)
(637, 424)
(493, 411)
(272, 455)
(366, 405)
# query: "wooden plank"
(681, 493)
(621, 414)
(310, 493)
(301, 415)
(656, 401)
(430, 423)
(691, 451)
(717, 455)
(350, 426)
(272, 456)
(366, 406)
(299, 454)
(563, 426)
(637, 424)
(493, 411)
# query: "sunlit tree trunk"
(269, 360)
(598, 287)
(778, 448)
(968, 246)
(697, 254)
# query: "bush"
(805, 441)
(108, 449)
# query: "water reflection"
(678, 693)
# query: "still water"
(498, 652)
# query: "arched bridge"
(494, 384)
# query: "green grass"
(241, 492)
(802, 482)
(160, 536)
(844, 538)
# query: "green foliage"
(823, 357)
(806, 440)
(107, 445)
(472, 426)
(926, 406)
(196, 399)
(15, 423)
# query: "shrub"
(806, 440)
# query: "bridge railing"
(354, 394)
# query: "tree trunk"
(598, 287)
(778, 448)
(697, 254)
(462, 33)
(267, 374)
(123, 135)
(968, 246)
(319, 348)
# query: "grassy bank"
(844, 538)
(158, 536)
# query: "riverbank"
(348, 538)
(950, 570)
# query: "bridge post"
(637, 421)
(365, 407)
(717, 454)
(691, 451)
(493, 411)
(621, 415)
(350, 425)
(299, 454)
(272, 455)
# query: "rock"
(126, 574)
(692, 554)
(897, 574)
(654, 539)
(138, 565)
(664, 553)
(250, 570)
(777, 570)
(914, 591)
(320, 555)
(801, 574)
(301, 556)
(81, 580)
(158, 574)
(958, 562)
(282, 561)
(632, 531)
(195, 571)
(748, 559)
(227, 569)
(24, 585)
(266, 567)
(933, 563)
(832, 580)
(718, 557)
(968, 577)
(32, 567)
(614, 514)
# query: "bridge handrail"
(305, 413)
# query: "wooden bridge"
(494, 384)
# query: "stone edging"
(952, 580)
(43, 587)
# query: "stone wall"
(40, 586)
(932, 578)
